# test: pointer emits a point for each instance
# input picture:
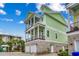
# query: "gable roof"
(48, 11)
(30, 15)
(53, 14)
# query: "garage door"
(52, 49)
(33, 49)
(77, 45)
(27, 49)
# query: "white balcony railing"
(31, 23)
(41, 37)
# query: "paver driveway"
(22, 54)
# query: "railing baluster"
(41, 37)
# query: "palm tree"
(1, 41)
(11, 43)
(16, 44)
(21, 45)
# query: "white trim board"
(73, 33)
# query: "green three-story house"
(46, 32)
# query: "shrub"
(75, 28)
(63, 53)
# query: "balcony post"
(69, 20)
(38, 31)
(34, 33)
(28, 23)
(30, 35)
(34, 20)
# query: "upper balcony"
(33, 21)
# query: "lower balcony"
(41, 37)
(36, 33)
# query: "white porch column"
(75, 46)
(28, 24)
(34, 20)
(34, 33)
(30, 35)
(68, 22)
(38, 31)
(63, 48)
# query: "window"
(56, 35)
(37, 19)
(47, 33)
(32, 21)
(41, 18)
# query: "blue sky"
(12, 16)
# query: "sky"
(12, 15)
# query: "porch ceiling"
(38, 24)
(73, 33)
(43, 42)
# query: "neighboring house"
(46, 32)
(73, 33)
(6, 37)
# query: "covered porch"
(37, 32)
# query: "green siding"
(52, 36)
(56, 25)
(58, 17)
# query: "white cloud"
(53, 6)
(27, 4)
(71, 22)
(7, 19)
(2, 5)
(57, 7)
(18, 12)
(38, 5)
(21, 22)
(2, 12)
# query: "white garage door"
(77, 45)
(33, 49)
(27, 49)
(52, 49)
